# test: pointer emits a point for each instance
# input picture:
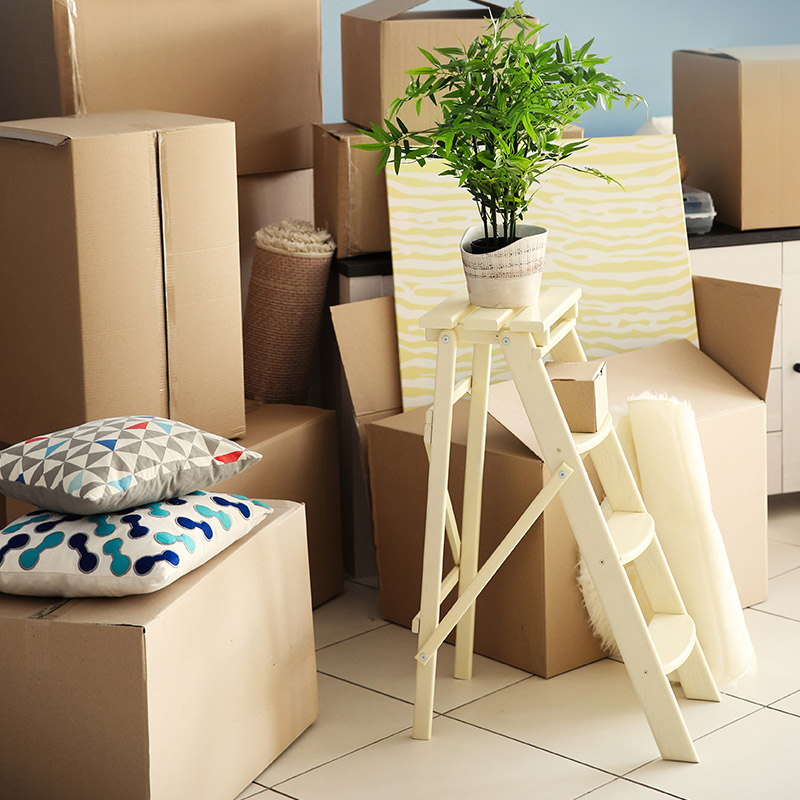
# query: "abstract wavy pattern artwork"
(625, 248)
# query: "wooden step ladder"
(652, 649)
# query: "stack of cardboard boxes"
(380, 42)
(122, 294)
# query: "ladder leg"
(473, 489)
(436, 510)
(663, 595)
(696, 678)
(569, 348)
(594, 540)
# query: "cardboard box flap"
(343, 131)
(28, 135)
(379, 10)
(783, 52)
(111, 123)
(367, 337)
(736, 324)
(574, 370)
(708, 52)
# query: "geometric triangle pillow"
(112, 464)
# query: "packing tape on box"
(65, 16)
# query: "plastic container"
(698, 208)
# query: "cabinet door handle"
(796, 367)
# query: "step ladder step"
(674, 636)
(584, 442)
(632, 532)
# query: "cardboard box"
(380, 42)
(268, 200)
(120, 275)
(300, 462)
(370, 392)
(736, 114)
(531, 615)
(349, 198)
(726, 384)
(187, 692)
(256, 63)
(582, 392)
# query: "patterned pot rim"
(517, 260)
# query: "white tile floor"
(507, 734)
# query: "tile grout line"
(488, 694)
(361, 686)
(539, 747)
(332, 760)
(354, 636)
(732, 722)
(772, 613)
(653, 788)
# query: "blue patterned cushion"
(134, 551)
(115, 463)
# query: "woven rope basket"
(282, 320)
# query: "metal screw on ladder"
(423, 656)
(562, 473)
(445, 338)
(506, 340)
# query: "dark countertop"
(725, 236)
(361, 266)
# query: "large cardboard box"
(300, 462)
(257, 63)
(120, 272)
(187, 692)
(736, 113)
(380, 42)
(349, 198)
(531, 615)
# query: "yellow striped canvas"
(625, 248)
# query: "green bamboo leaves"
(505, 100)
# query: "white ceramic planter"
(507, 278)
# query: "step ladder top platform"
(555, 302)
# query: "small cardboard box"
(120, 272)
(349, 198)
(300, 462)
(582, 392)
(736, 115)
(254, 62)
(531, 615)
(380, 42)
(187, 692)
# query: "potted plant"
(504, 100)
